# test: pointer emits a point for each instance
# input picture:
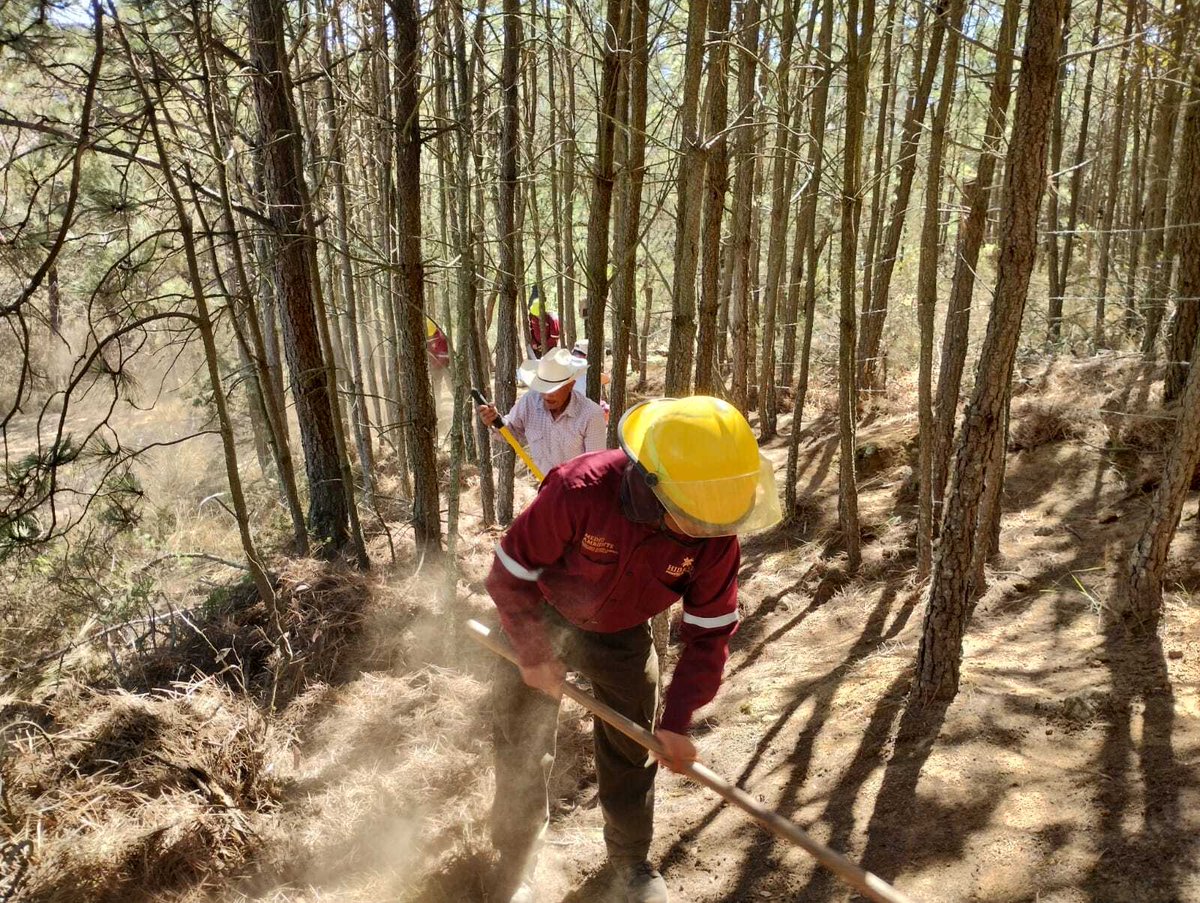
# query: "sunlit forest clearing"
(935, 266)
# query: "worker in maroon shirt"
(612, 539)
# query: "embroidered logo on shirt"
(678, 570)
(598, 545)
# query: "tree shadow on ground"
(822, 690)
(756, 644)
(1148, 862)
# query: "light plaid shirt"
(579, 428)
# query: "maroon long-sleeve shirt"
(574, 549)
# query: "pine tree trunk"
(927, 274)
(1184, 326)
(951, 589)
(360, 413)
(870, 342)
(1149, 558)
(1057, 140)
(203, 320)
(1078, 167)
(1135, 217)
(570, 329)
(743, 201)
(716, 186)
(467, 348)
(958, 310)
(506, 337)
(1154, 302)
(1113, 192)
(808, 226)
(689, 201)
(414, 362)
(328, 510)
(629, 217)
(600, 214)
(858, 67)
(777, 230)
(884, 129)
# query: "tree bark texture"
(688, 203)
(970, 241)
(328, 508)
(939, 658)
(1149, 559)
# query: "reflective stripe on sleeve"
(520, 571)
(719, 621)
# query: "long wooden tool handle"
(504, 431)
(871, 886)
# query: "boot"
(641, 883)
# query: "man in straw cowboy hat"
(552, 420)
(611, 540)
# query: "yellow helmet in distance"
(431, 328)
(702, 461)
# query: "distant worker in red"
(437, 347)
(535, 325)
(612, 539)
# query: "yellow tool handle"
(521, 453)
(510, 438)
(869, 885)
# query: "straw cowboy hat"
(552, 372)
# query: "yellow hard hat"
(703, 464)
(430, 328)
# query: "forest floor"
(1065, 770)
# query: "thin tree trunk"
(962, 289)
(884, 128)
(1078, 167)
(1057, 140)
(858, 68)
(777, 231)
(360, 418)
(870, 342)
(1113, 193)
(506, 340)
(743, 201)
(467, 348)
(1137, 208)
(939, 658)
(602, 190)
(257, 567)
(1154, 302)
(716, 186)
(927, 274)
(328, 510)
(629, 218)
(807, 225)
(689, 200)
(1149, 558)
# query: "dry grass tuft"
(1037, 421)
(130, 798)
(234, 638)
